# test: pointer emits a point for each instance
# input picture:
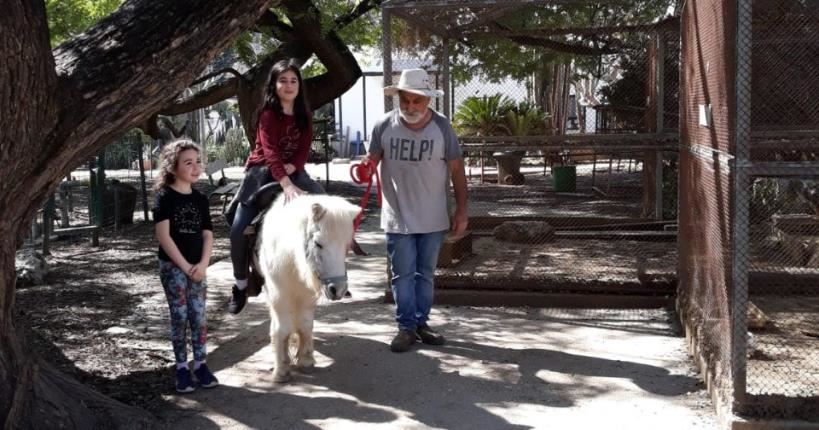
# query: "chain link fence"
(749, 269)
(571, 160)
(558, 209)
(680, 164)
(777, 214)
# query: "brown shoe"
(429, 336)
(403, 341)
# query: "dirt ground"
(569, 260)
(537, 196)
(785, 357)
(101, 314)
(102, 318)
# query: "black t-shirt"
(189, 215)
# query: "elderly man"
(418, 152)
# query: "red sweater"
(279, 142)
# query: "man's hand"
(375, 158)
(459, 222)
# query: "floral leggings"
(186, 300)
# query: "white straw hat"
(414, 81)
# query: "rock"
(514, 179)
(31, 268)
(757, 320)
(525, 232)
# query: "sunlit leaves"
(68, 18)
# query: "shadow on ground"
(467, 383)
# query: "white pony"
(301, 247)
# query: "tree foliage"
(363, 32)
(68, 18)
(524, 44)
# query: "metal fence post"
(742, 181)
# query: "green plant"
(482, 116)
(234, 150)
(236, 145)
(525, 120)
(121, 154)
(771, 196)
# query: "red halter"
(364, 173)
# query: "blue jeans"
(412, 261)
(238, 240)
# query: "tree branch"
(230, 70)
(559, 46)
(342, 67)
(206, 97)
(280, 30)
(671, 23)
(360, 9)
(251, 89)
(113, 74)
(577, 49)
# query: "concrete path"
(502, 368)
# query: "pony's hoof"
(281, 377)
(307, 368)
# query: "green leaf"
(68, 18)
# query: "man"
(418, 152)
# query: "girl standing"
(283, 136)
(185, 235)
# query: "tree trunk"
(66, 105)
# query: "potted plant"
(522, 120)
(484, 116)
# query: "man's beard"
(414, 118)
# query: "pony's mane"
(288, 224)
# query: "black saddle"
(261, 200)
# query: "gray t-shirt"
(414, 173)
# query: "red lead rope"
(364, 173)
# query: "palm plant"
(525, 120)
(482, 116)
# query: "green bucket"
(565, 178)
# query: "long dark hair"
(301, 110)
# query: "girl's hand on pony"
(289, 168)
(291, 192)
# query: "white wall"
(350, 109)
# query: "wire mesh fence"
(748, 278)
(776, 285)
(559, 206)
(571, 157)
(682, 161)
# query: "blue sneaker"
(183, 381)
(205, 378)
